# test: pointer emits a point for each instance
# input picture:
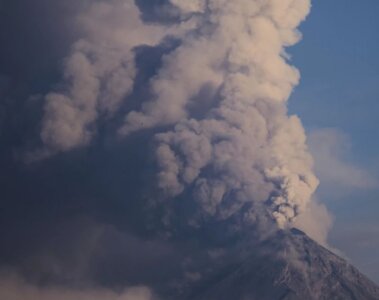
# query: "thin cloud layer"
(18, 290)
(331, 149)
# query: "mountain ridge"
(289, 266)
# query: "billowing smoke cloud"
(98, 74)
(217, 104)
(243, 149)
(177, 155)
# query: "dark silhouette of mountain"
(288, 266)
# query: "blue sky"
(339, 90)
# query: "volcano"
(289, 266)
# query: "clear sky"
(339, 90)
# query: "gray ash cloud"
(147, 137)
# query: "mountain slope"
(290, 266)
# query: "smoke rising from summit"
(149, 152)
(217, 103)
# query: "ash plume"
(216, 104)
(163, 162)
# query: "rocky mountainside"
(290, 266)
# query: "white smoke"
(99, 73)
(248, 144)
(244, 154)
